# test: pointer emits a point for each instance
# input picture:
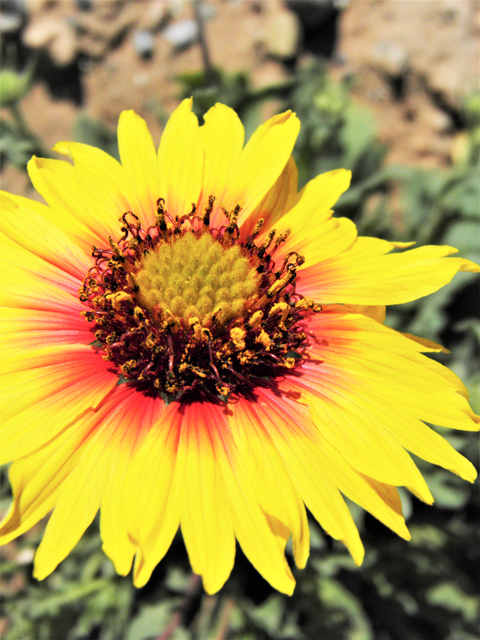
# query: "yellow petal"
(37, 481)
(279, 199)
(206, 521)
(139, 159)
(103, 183)
(180, 161)
(222, 137)
(363, 443)
(82, 491)
(57, 182)
(367, 274)
(316, 200)
(261, 163)
(369, 386)
(270, 479)
(319, 240)
(252, 529)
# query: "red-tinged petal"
(22, 266)
(139, 159)
(319, 471)
(366, 274)
(253, 529)
(369, 387)
(115, 421)
(26, 329)
(37, 235)
(273, 486)
(25, 293)
(137, 415)
(206, 522)
(50, 389)
(154, 493)
(167, 471)
(284, 419)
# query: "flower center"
(182, 307)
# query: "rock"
(143, 42)
(57, 36)
(438, 120)
(181, 34)
(390, 59)
(282, 35)
(96, 34)
(41, 32)
(10, 22)
(155, 16)
(63, 48)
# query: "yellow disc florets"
(196, 277)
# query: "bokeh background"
(387, 88)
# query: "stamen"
(208, 211)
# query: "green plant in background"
(17, 142)
(403, 591)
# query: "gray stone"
(10, 22)
(143, 42)
(181, 34)
(390, 59)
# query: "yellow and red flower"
(187, 341)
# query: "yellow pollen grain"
(264, 339)
(195, 277)
(238, 337)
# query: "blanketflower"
(187, 341)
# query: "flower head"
(187, 341)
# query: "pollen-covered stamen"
(183, 306)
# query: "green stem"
(177, 618)
(210, 75)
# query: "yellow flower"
(187, 341)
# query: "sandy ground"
(411, 61)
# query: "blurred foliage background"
(427, 588)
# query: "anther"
(160, 217)
(116, 250)
(266, 243)
(233, 217)
(208, 211)
(256, 230)
(282, 237)
(282, 283)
